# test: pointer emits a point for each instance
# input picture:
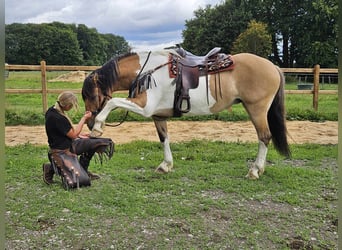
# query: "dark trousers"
(85, 148)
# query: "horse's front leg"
(113, 104)
(100, 119)
(167, 164)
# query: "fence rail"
(43, 68)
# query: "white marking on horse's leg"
(258, 166)
(96, 132)
(101, 118)
(261, 158)
(113, 104)
(167, 164)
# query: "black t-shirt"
(56, 127)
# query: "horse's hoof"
(95, 133)
(261, 171)
(161, 170)
(252, 174)
(164, 167)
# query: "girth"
(186, 68)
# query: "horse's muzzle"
(91, 122)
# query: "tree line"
(290, 33)
(300, 33)
(60, 44)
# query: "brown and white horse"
(254, 81)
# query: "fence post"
(44, 87)
(317, 69)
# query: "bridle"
(106, 98)
(101, 105)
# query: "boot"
(84, 161)
(93, 176)
(48, 173)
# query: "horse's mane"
(106, 76)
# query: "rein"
(138, 75)
(133, 83)
(134, 86)
(118, 124)
(104, 102)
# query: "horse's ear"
(87, 87)
(173, 47)
(95, 78)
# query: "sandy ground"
(299, 132)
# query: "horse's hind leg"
(259, 119)
(167, 164)
(258, 167)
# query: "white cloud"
(50, 16)
(141, 22)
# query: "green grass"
(299, 107)
(26, 109)
(206, 203)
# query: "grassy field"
(206, 203)
(26, 109)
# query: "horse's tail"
(276, 120)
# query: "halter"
(106, 96)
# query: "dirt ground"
(299, 132)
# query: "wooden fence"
(43, 68)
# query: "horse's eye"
(92, 98)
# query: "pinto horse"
(254, 81)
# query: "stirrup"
(180, 102)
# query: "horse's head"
(95, 96)
(116, 74)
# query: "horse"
(251, 80)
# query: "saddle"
(186, 68)
(191, 60)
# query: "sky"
(144, 24)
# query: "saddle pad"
(223, 63)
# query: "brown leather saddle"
(187, 68)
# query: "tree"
(60, 44)
(303, 33)
(255, 39)
(321, 44)
(215, 27)
(21, 44)
(31, 43)
(13, 43)
(65, 49)
(298, 28)
(91, 44)
(115, 45)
